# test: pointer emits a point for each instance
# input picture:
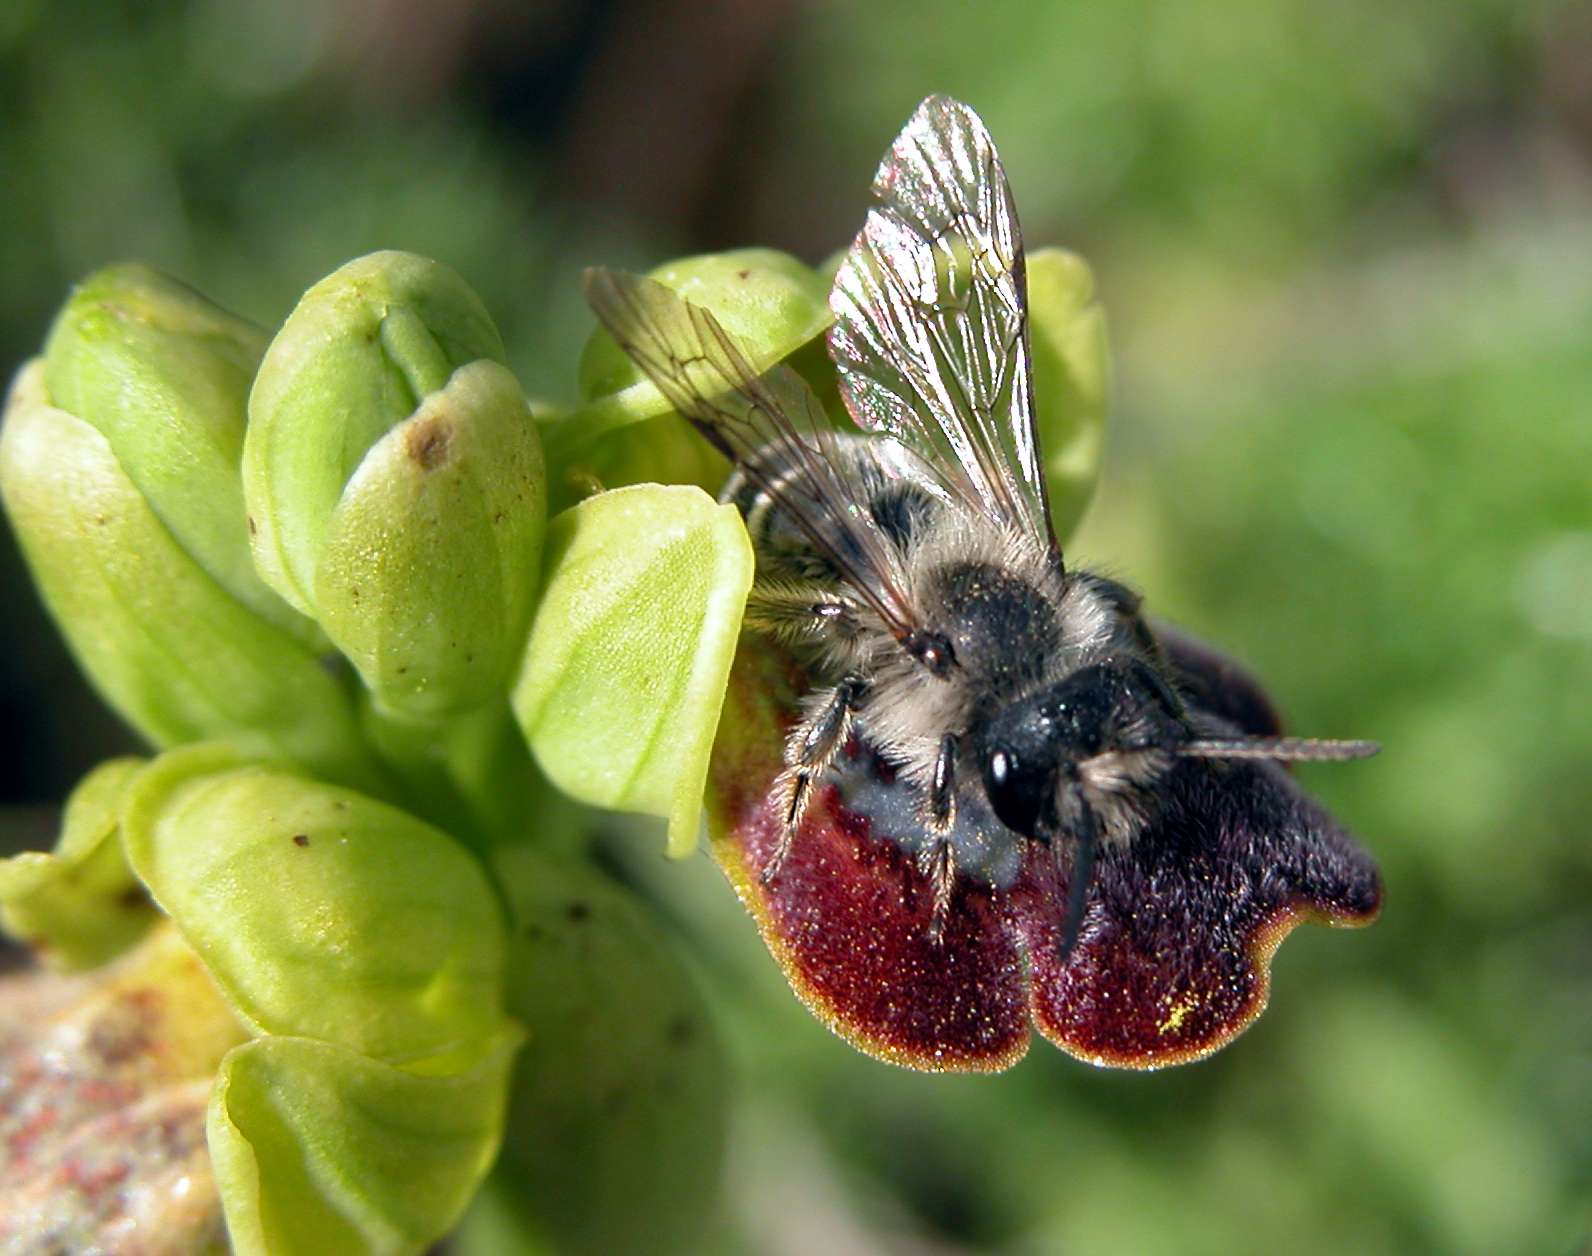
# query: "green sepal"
(770, 302)
(430, 559)
(163, 374)
(176, 656)
(617, 1027)
(320, 912)
(317, 1148)
(356, 357)
(630, 649)
(1072, 379)
(79, 905)
(664, 450)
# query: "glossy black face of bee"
(1037, 747)
(912, 569)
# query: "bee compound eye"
(1018, 787)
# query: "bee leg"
(809, 750)
(798, 612)
(942, 788)
(935, 861)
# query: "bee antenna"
(1083, 860)
(1291, 749)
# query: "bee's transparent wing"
(704, 374)
(931, 318)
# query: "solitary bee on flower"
(1001, 786)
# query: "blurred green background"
(1346, 252)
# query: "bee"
(911, 567)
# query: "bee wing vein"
(931, 325)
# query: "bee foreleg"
(942, 787)
(935, 861)
(809, 750)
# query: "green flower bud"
(630, 651)
(176, 655)
(768, 300)
(80, 905)
(163, 375)
(617, 1027)
(394, 481)
(320, 912)
(431, 557)
(317, 1148)
(1072, 378)
(363, 951)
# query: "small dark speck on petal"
(301, 839)
(743, 274)
(579, 911)
(252, 526)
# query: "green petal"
(166, 646)
(318, 1149)
(617, 1028)
(1072, 379)
(163, 374)
(320, 912)
(357, 356)
(631, 647)
(80, 905)
(431, 556)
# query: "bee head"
(1035, 749)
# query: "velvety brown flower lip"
(1173, 959)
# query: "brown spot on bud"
(427, 443)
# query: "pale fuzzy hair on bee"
(906, 710)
